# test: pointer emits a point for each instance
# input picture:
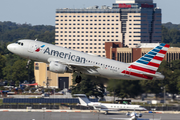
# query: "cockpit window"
(19, 43)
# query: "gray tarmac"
(76, 116)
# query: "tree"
(153, 86)
(11, 32)
(124, 88)
(165, 37)
(15, 69)
(171, 72)
(90, 85)
(2, 65)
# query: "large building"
(128, 55)
(46, 78)
(129, 21)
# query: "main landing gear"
(78, 79)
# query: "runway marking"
(5, 110)
(63, 111)
(77, 111)
(48, 111)
(158, 112)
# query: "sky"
(42, 12)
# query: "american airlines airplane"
(63, 60)
(84, 101)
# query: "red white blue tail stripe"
(146, 66)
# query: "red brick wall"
(136, 54)
(114, 46)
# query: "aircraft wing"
(110, 109)
(76, 67)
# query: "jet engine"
(56, 67)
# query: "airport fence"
(48, 106)
(35, 103)
(73, 107)
(165, 108)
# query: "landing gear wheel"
(78, 79)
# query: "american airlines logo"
(65, 55)
(39, 48)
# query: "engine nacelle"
(57, 67)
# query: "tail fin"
(149, 63)
(82, 99)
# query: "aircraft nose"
(11, 47)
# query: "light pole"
(27, 67)
(164, 94)
(153, 109)
(164, 90)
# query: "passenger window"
(21, 44)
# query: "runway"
(76, 116)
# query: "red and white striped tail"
(148, 64)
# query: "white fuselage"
(44, 52)
(115, 107)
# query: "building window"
(36, 67)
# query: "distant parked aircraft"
(84, 101)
